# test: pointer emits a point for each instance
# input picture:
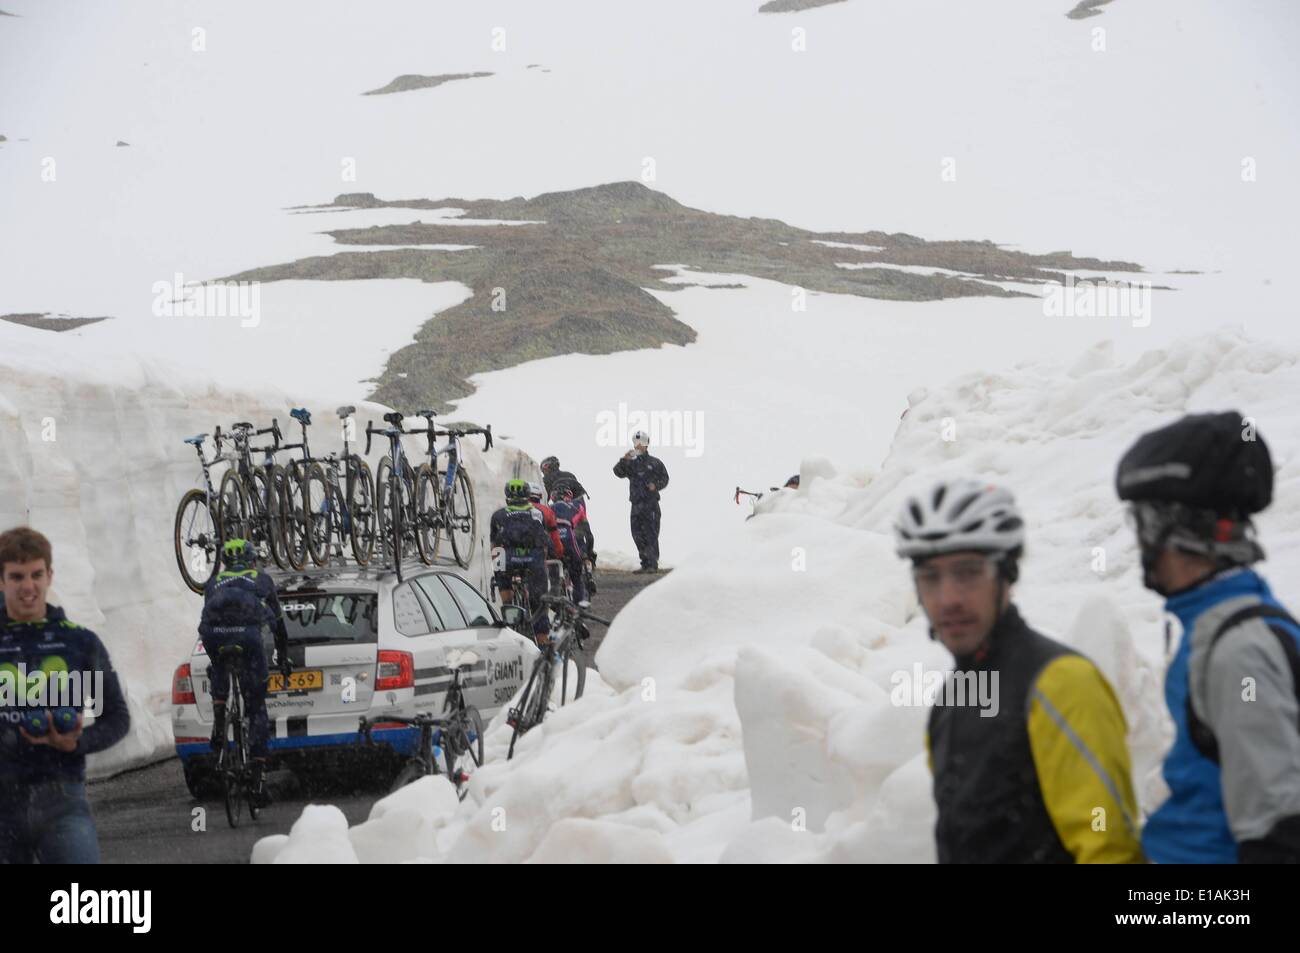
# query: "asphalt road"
(148, 816)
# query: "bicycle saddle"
(426, 414)
(243, 425)
(346, 412)
(394, 418)
(197, 439)
(301, 414)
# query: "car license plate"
(309, 680)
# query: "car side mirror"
(512, 616)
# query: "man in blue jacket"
(1232, 686)
(44, 815)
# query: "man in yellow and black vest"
(1030, 762)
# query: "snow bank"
(745, 710)
(91, 455)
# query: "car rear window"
(317, 618)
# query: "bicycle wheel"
(339, 532)
(262, 509)
(232, 755)
(463, 519)
(361, 508)
(532, 703)
(280, 516)
(413, 770)
(465, 739)
(318, 503)
(297, 516)
(384, 487)
(197, 540)
(232, 507)
(573, 675)
(247, 759)
(428, 518)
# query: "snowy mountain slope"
(745, 711)
(91, 454)
(763, 385)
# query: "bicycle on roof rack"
(395, 497)
(196, 530)
(252, 495)
(444, 500)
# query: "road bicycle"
(234, 765)
(196, 531)
(252, 495)
(568, 637)
(444, 499)
(395, 498)
(456, 735)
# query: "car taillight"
(182, 686)
(396, 670)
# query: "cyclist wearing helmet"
(555, 545)
(553, 478)
(571, 515)
(646, 477)
(518, 529)
(1041, 775)
(44, 814)
(1234, 768)
(236, 605)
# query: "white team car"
(361, 644)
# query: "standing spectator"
(646, 477)
(44, 815)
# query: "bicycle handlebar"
(371, 430)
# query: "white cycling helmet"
(534, 491)
(958, 515)
(640, 439)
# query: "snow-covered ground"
(744, 711)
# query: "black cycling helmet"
(1193, 486)
(792, 483)
(550, 463)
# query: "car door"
(422, 631)
(505, 649)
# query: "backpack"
(519, 529)
(1201, 734)
(233, 602)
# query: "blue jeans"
(252, 679)
(49, 823)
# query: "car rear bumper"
(400, 740)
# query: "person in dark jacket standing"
(1233, 685)
(44, 815)
(646, 478)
